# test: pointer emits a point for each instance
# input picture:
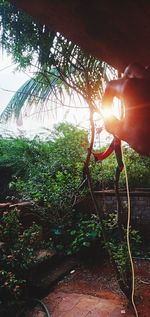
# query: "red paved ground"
(95, 293)
(79, 305)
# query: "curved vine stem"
(121, 279)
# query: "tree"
(60, 66)
(49, 173)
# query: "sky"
(29, 124)
(11, 80)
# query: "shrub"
(52, 181)
(17, 253)
(73, 237)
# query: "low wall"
(140, 207)
(140, 202)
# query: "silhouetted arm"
(113, 89)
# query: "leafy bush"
(53, 174)
(138, 169)
(85, 231)
(18, 251)
(118, 246)
(50, 173)
(72, 238)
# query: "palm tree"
(61, 75)
(61, 66)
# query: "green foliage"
(52, 173)
(49, 173)
(85, 231)
(22, 37)
(76, 235)
(118, 247)
(17, 154)
(18, 251)
(59, 64)
(138, 170)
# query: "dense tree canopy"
(21, 37)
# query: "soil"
(99, 280)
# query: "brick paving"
(78, 305)
(63, 304)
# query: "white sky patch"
(29, 123)
(11, 80)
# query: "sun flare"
(107, 113)
(115, 110)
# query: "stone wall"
(140, 202)
(140, 207)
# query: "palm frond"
(62, 67)
(32, 92)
